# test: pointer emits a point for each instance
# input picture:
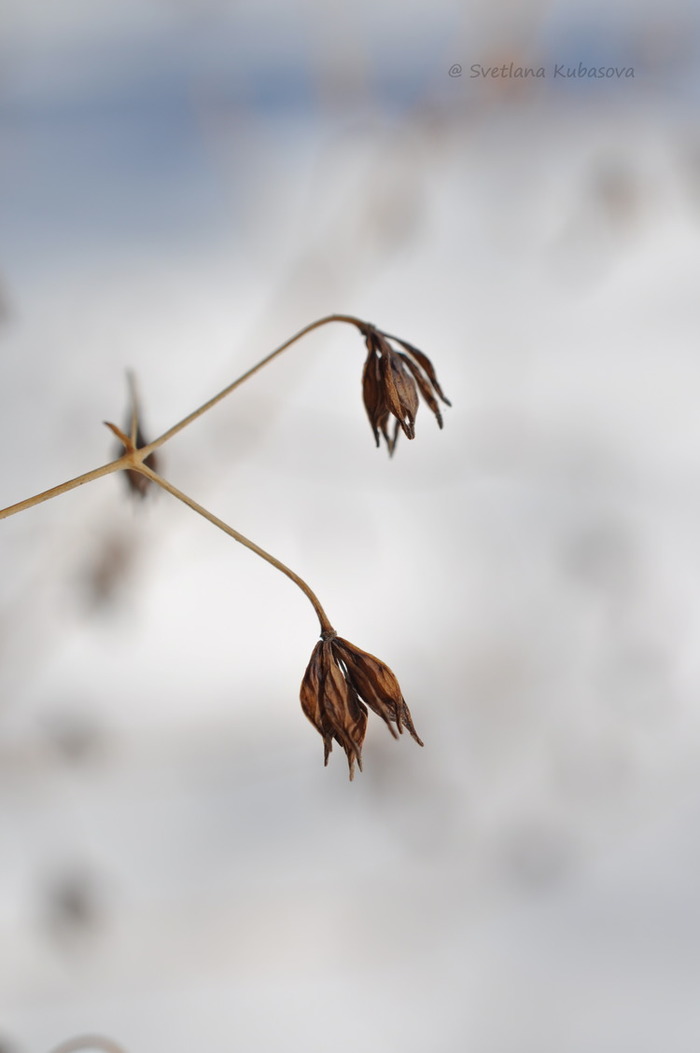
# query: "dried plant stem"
(72, 1045)
(227, 390)
(127, 461)
(326, 626)
(55, 491)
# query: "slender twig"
(125, 461)
(326, 626)
(72, 1045)
(231, 387)
(96, 473)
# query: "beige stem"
(326, 626)
(72, 1045)
(127, 460)
(249, 373)
(96, 473)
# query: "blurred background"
(183, 185)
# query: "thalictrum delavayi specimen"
(341, 682)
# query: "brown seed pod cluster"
(391, 383)
(340, 683)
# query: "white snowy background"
(183, 185)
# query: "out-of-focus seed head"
(138, 484)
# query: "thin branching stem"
(231, 387)
(127, 460)
(326, 626)
(135, 410)
(55, 491)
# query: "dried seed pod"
(391, 383)
(340, 683)
(376, 685)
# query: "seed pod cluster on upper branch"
(392, 380)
